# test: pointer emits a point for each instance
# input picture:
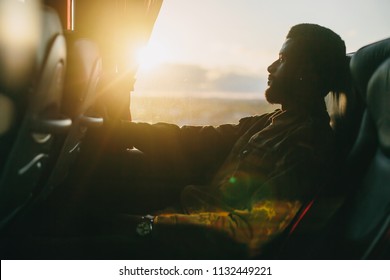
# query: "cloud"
(236, 82)
(192, 79)
(174, 77)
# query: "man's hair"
(327, 51)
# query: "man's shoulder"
(256, 118)
(257, 122)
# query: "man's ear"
(308, 84)
(313, 81)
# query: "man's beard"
(282, 91)
(275, 93)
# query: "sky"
(223, 47)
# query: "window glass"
(206, 61)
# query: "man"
(256, 174)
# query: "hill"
(195, 111)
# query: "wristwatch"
(145, 227)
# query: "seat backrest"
(37, 136)
(370, 207)
(17, 66)
(364, 217)
(84, 70)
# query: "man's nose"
(273, 66)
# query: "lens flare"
(150, 57)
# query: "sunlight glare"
(150, 57)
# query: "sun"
(149, 57)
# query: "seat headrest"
(378, 104)
(51, 27)
(365, 61)
(19, 39)
(84, 68)
(83, 57)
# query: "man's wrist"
(145, 227)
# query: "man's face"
(287, 73)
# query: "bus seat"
(370, 209)
(83, 75)
(379, 101)
(84, 70)
(17, 62)
(37, 135)
(364, 218)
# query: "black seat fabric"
(366, 62)
(366, 173)
(34, 145)
(371, 206)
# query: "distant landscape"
(195, 111)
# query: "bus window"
(207, 63)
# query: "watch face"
(144, 228)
